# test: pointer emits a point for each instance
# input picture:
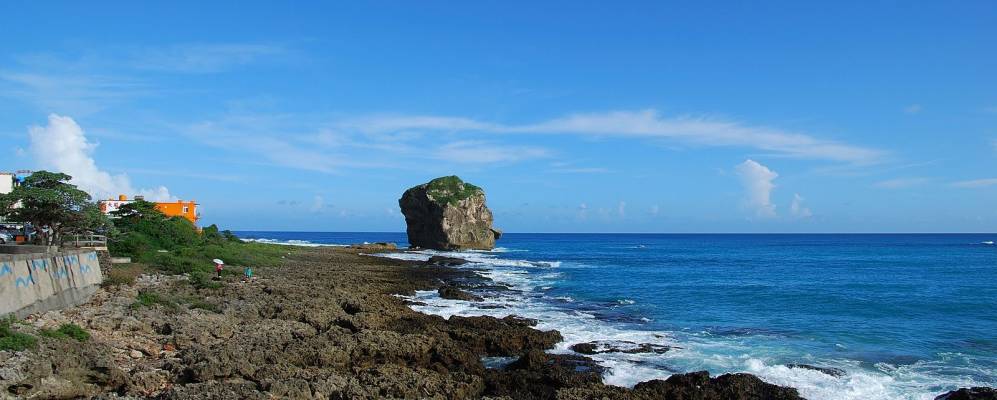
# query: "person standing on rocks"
(219, 266)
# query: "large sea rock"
(448, 214)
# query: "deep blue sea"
(905, 316)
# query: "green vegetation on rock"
(14, 341)
(67, 331)
(148, 298)
(450, 190)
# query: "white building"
(6, 186)
(6, 182)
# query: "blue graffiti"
(92, 256)
(84, 268)
(5, 270)
(24, 281)
(62, 273)
(43, 264)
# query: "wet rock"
(835, 372)
(443, 261)
(448, 214)
(379, 246)
(500, 337)
(452, 292)
(699, 385)
(600, 347)
(537, 375)
(975, 393)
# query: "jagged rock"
(976, 393)
(452, 292)
(443, 261)
(379, 246)
(538, 375)
(835, 372)
(448, 214)
(699, 385)
(599, 347)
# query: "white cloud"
(318, 202)
(583, 211)
(580, 170)
(475, 152)
(798, 209)
(900, 183)
(646, 124)
(976, 183)
(621, 209)
(757, 180)
(62, 146)
(203, 57)
(913, 109)
(75, 92)
(655, 210)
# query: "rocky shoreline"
(326, 324)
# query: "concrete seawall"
(40, 282)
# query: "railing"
(85, 240)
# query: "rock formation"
(448, 214)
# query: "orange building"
(179, 208)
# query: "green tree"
(91, 220)
(45, 199)
(129, 215)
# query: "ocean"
(904, 316)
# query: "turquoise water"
(904, 316)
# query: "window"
(186, 209)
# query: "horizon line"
(659, 233)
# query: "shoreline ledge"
(326, 324)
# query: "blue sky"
(574, 116)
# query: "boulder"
(379, 246)
(444, 261)
(452, 292)
(448, 214)
(835, 372)
(976, 393)
(699, 385)
(600, 347)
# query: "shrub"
(131, 244)
(14, 341)
(202, 280)
(450, 189)
(148, 298)
(204, 305)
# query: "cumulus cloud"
(63, 146)
(798, 209)
(621, 209)
(757, 180)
